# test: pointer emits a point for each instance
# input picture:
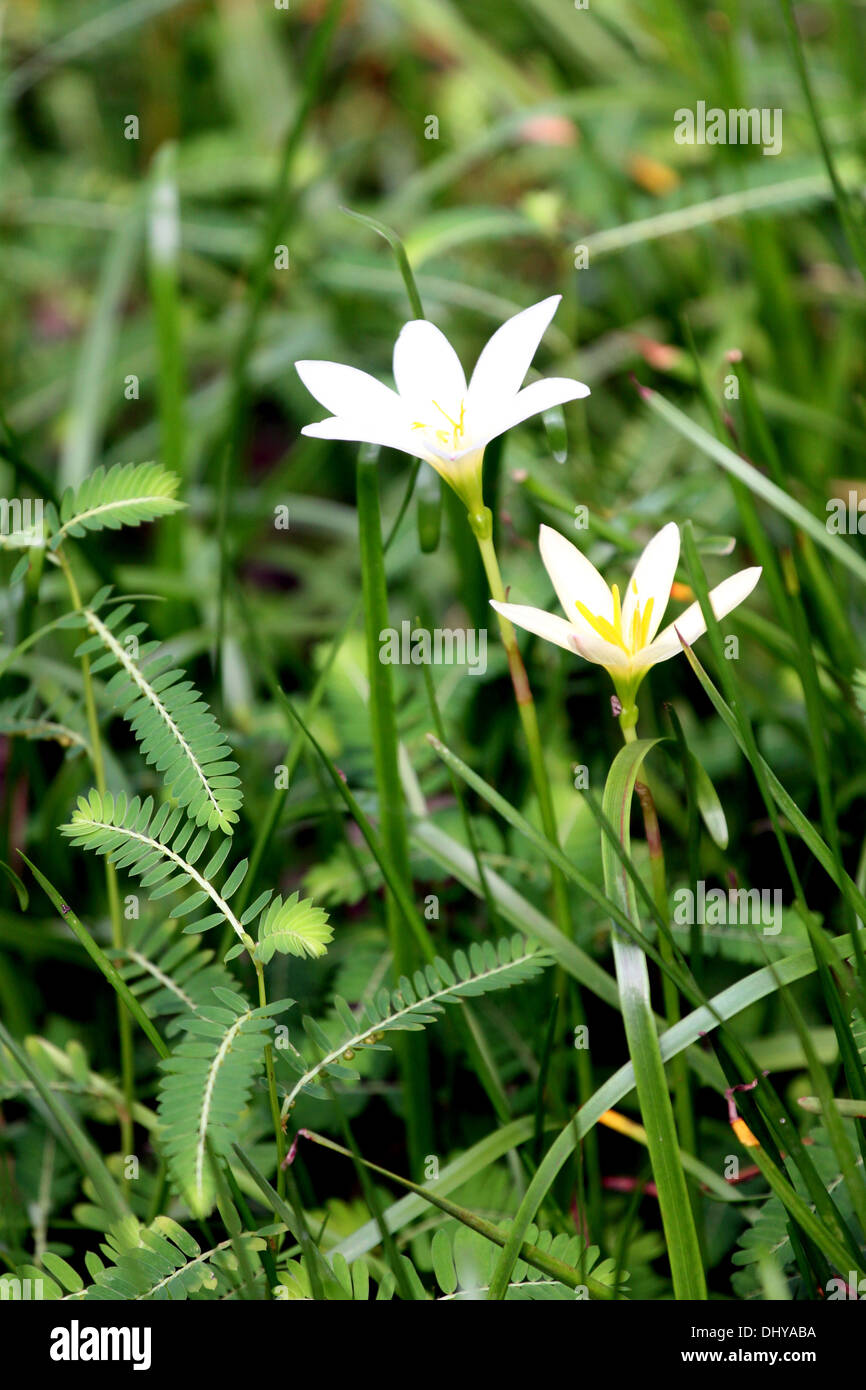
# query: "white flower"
(620, 634)
(433, 414)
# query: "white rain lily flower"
(433, 414)
(620, 634)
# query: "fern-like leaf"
(412, 1006)
(125, 495)
(15, 722)
(205, 1087)
(170, 973)
(159, 1263)
(293, 928)
(152, 847)
(463, 1262)
(177, 732)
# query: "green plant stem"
(124, 1023)
(272, 1087)
(482, 528)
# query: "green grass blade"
(762, 487)
(412, 1052)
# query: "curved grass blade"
(655, 1104)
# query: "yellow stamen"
(611, 632)
(645, 622)
(617, 610)
(456, 425)
(598, 624)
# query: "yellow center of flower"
(450, 438)
(613, 631)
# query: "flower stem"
(481, 522)
(124, 1023)
(482, 527)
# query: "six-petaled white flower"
(433, 414)
(620, 633)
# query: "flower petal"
(652, 577)
(505, 359)
(385, 433)
(426, 368)
(555, 629)
(546, 625)
(532, 400)
(690, 624)
(347, 392)
(574, 577)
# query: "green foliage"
(125, 495)
(169, 973)
(161, 1262)
(768, 1238)
(412, 1006)
(205, 1087)
(173, 724)
(293, 928)
(15, 723)
(162, 849)
(463, 1262)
